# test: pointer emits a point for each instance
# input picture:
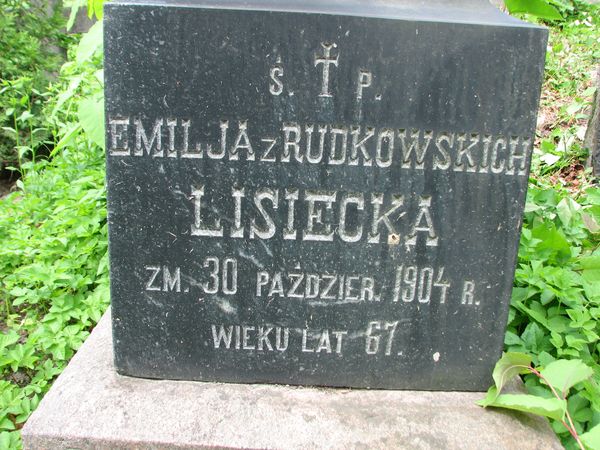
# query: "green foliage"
(572, 57)
(30, 45)
(552, 338)
(53, 258)
(28, 27)
(559, 377)
(553, 408)
(563, 374)
(538, 8)
(94, 8)
(591, 439)
(553, 321)
(508, 367)
(550, 10)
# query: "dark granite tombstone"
(320, 193)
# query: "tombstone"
(316, 193)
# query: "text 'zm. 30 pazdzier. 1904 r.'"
(317, 194)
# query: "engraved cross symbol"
(326, 60)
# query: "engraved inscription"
(326, 60)
(258, 189)
(335, 145)
(326, 213)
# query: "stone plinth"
(90, 406)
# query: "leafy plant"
(558, 377)
(544, 9)
(553, 321)
(30, 45)
(572, 55)
(22, 98)
(53, 258)
(550, 10)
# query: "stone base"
(90, 406)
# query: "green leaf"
(510, 365)
(98, 8)
(511, 338)
(66, 139)
(591, 439)
(573, 108)
(67, 94)
(565, 373)
(553, 245)
(72, 16)
(548, 407)
(8, 339)
(6, 424)
(567, 209)
(589, 263)
(25, 115)
(8, 439)
(90, 43)
(549, 158)
(579, 408)
(534, 338)
(94, 8)
(91, 117)
(490, 397)
(545, 358)
(538, 8)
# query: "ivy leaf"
(565, 373)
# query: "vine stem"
(18, 141)
(571, 429)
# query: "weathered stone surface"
(592, 133)
(316, 193)
(90, 406)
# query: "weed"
(31, 43)
(53, 258)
